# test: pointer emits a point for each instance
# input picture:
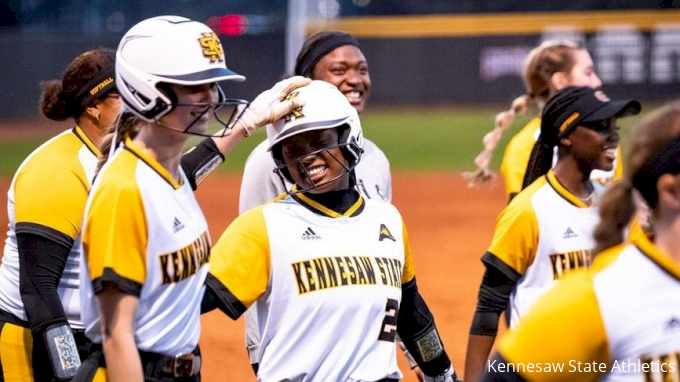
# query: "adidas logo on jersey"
(672, 324)
(309, 234)
(568, 234)
(177, 225)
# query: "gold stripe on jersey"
(409, 271)
(139, 152)
(83, 138)
(179, 265)
(44, 195)
(635, 231)
(515, 239)
(116, 232)
(16, 348)
(564, 327)
(657, 256)
(241, 258)
(338, 271)
(563, 192)
(327, 211)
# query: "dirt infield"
(449, 226)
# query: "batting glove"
(272, 104)
(448, 376)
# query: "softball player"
(335, 57)
(328, 308)
(620, 321)
(41, 333)
(549, 67)
(546, 232)
(145, 240)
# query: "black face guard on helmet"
(351, 152)
(226, 111)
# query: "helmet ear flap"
(280, 169)
(166, 90)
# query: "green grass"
(414, 139)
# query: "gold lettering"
(351, 270)
(342, 268)
(320, 273)
(382, 270)
(370, 272)
(297, 270)
(311, 282)
(100, 86)
(361, 273)
(186, 261)
(332, 274)
(164, 269)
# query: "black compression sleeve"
(415, 325)
(217, 296)
(201, 161)
(41, 264)
(498, 370)
(494, 293)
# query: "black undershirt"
(339, 201)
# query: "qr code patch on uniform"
(68, 352)
(429, 346)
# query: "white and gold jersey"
(145, 233)
(328, 286)
(543, 234)
(619, 321)
(47, 197)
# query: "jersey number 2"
(388, 330)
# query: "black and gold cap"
(574, 105)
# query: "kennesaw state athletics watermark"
(574, 366)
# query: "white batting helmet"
(325, 107)
(168, 50)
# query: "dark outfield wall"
(25, 60)
(632, 62)
(487, 69)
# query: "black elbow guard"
(200, 161)
(416, 327)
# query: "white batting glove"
(448, 376)
(272, 104)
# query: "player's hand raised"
(272, 104)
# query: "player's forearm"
(123, 363)
(41, 265)
(117, 311)
(478, 349)
(419, 333)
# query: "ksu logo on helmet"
(212, 48)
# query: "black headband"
(666, 160)
(97, 87)
(318, 49)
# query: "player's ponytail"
(617, 208)
(503, 121)
(126, 125)
(68, 96)
(540, 64)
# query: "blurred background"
(443, 54)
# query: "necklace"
(589, 199)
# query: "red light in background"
(231, 25)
